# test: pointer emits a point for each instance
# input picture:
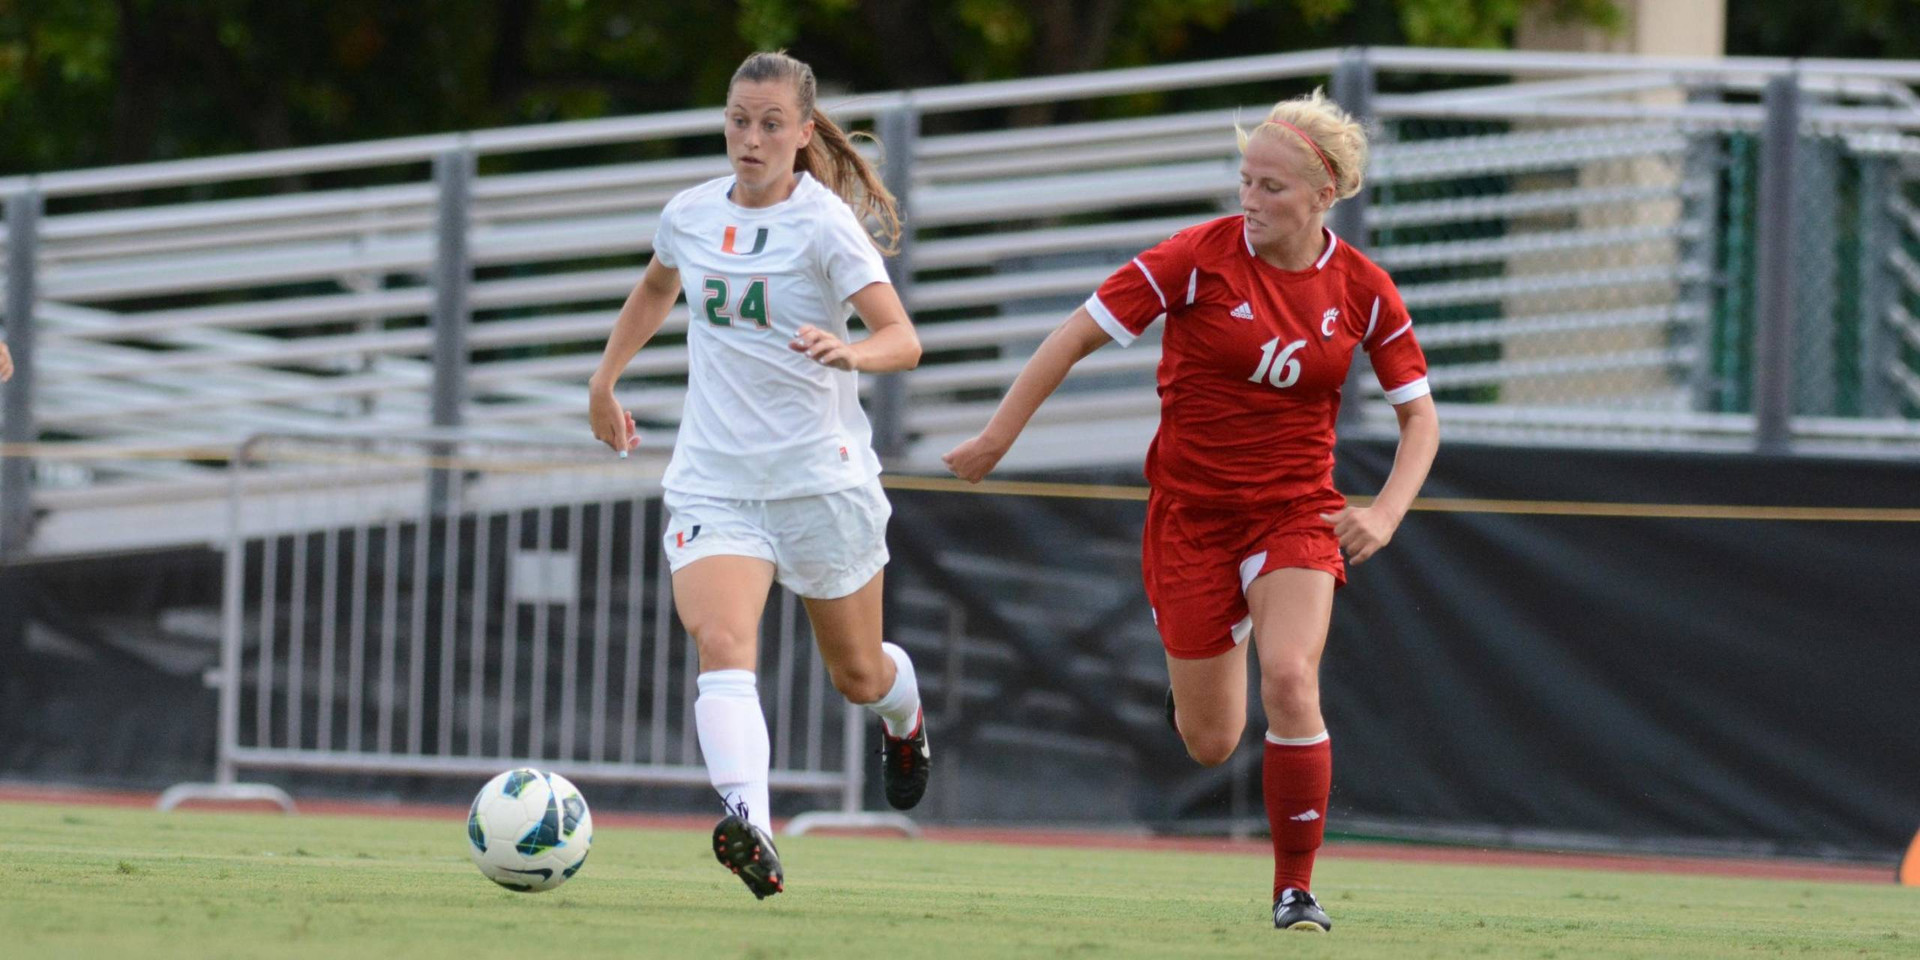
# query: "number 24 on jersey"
(752, 305)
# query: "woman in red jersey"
(1245, 532)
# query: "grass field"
(130, 884)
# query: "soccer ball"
(529, 831)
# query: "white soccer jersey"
(762, 421)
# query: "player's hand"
(974, 459)
(6, 364)
(612, 425)
(1362, 531)
(823, 348)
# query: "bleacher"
(1573, 234)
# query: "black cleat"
(748, 852)
(1171, 725)
(904, 764)
(1296, 909)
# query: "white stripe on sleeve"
(1393, 336)
(1108, 322)
(1411, 391)
(1151, 282)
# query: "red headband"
(1311, 146)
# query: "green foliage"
(1490, 23)
(1855, 28)
(93, 82)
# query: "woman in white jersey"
(773, 474)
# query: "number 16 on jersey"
(1282, 371)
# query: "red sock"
(1296, 779)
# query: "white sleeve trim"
(1408, 392)
(1151, 282)
(1108, 322)
(1393, 336)
(662, 242)
(838, 236)
(1193, 286)
(1372, 318)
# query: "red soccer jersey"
(1253, 359)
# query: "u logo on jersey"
(728, 240)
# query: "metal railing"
(456, 608)
(1582, 255)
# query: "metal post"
(853, 749)
(1816, 277)
(1877, 240)
(453, 173)
(226, 678)
(1774, 273)
(1705, 160)
(16, 470)
(1353, 85)
(232, 610)
(899, 133)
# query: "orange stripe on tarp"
(1548, 508)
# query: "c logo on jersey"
(727, 242)
(1327, 320)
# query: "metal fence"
(458, 608)
(1598, 249)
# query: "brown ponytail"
(830, 157)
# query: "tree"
(93, 82)
(1857, 28)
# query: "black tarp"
(1742, 682)
(1750, 680)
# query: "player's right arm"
(1161, 279)
(640, 318)
(1064, 347)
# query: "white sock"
(733, 739)
(900, 708)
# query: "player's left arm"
(1364, 530)
(1402, 368)
(890, 344)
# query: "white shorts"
(821, 547)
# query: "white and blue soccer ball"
(529, 831)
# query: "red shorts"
(1197, 564)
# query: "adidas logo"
(1244, 311)
(1308, 817)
